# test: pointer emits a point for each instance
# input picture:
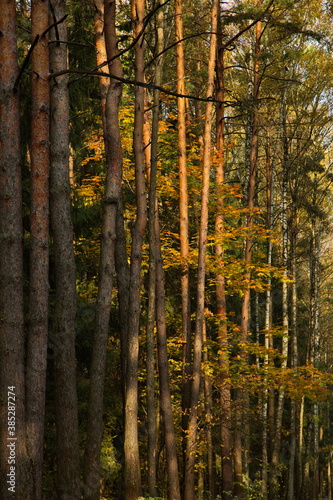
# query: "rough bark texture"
(131, 445)
(11, 265)
(189, 493)
(63, 332)
(39, 242)
(106, 265)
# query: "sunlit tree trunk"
(225, 397)
(183, 215)
(189, 493)
(39, 243)
(11, 260)
(131, 445)
(245, 316)
(107, 262)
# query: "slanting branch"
(33, 45)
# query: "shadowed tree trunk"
(189, 493)
(39, 244)
(285, 313)
(107, 260)
(11, 262)
(151, 161)
(68, 466)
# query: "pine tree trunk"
(189, 493)
(68, 467)
(131, 446)
(39, 243)
(106, 265)
(183, 218)
(11, 264)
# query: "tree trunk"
(39, 242)
(274, 486)
(165, 396)
(225, 396)
(268, 315)
(195, 388)
(106, 265)
(293, 349)
(209, 421)
(131, 446)
(183, 218)
(315, 326)
(245, 311)
(11, 266)
(68, 466)
(153, 214)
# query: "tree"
(111, 201)
(39, 242)
(11, 261)
(131, 446)
(197, 352)
(63, 328)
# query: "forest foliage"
(187, 306)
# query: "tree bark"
(151, 154)
(222, 330)
(131, 446)
(183, 218)
(11, 262)
(107, 261)
(165, 396)
(39, 244)
(189, 493)
(68, 459)
(285, 312)
(245, 310)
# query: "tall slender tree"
(63, 328)
(189, 491)
(107, 259)
(222, 329)
(183, 213)
(39, 242)
(131, 446)
(11, 261)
